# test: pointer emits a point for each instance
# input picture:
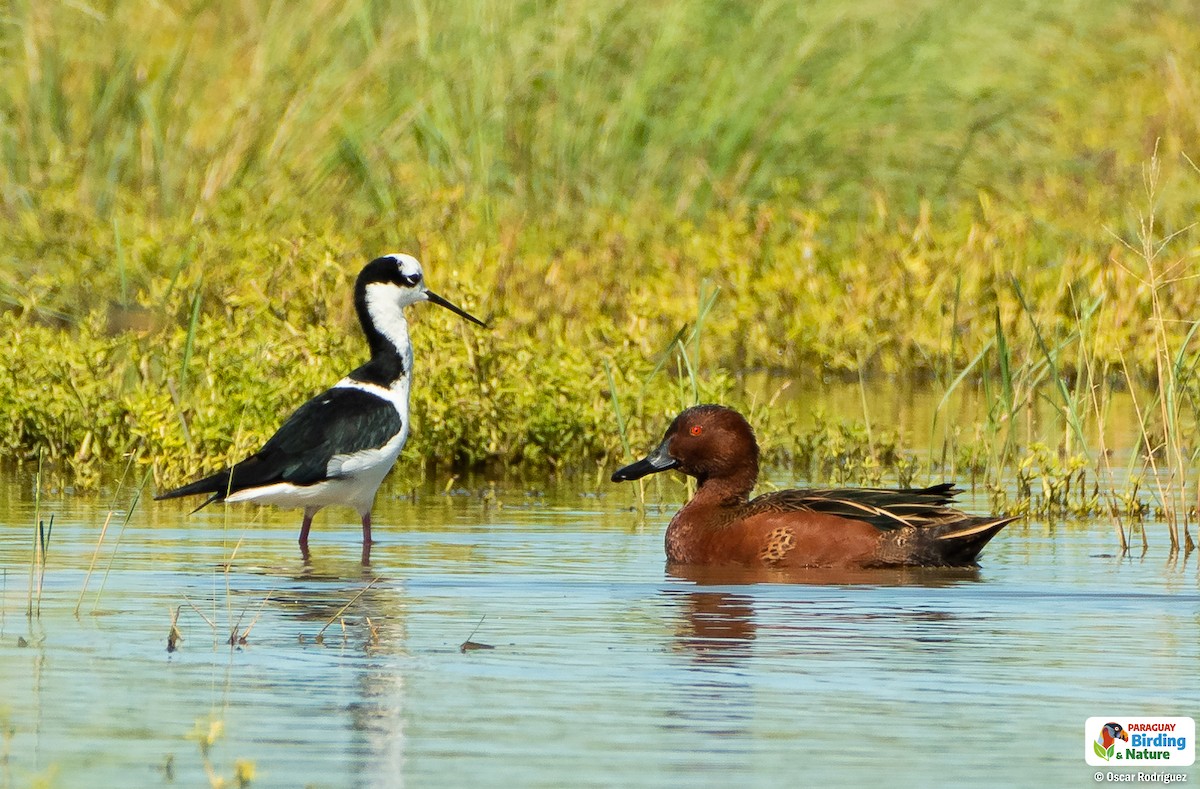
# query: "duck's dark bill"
(438, 300)
(659, 461)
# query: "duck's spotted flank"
(853, 527)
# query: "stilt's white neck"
(381, 311)
(387, 317)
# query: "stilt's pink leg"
(366, 546)
(304, 527)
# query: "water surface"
(602, 668)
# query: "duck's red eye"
(697, 430)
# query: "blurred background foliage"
(187, 190)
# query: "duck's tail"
(959, 543)
(954, 542)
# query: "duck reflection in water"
(725, 619)
(716, 624)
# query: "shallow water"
(603, 668)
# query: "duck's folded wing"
(883, 508)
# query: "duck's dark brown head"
(708, 442)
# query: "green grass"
(547, 104)
(875, 191)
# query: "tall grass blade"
(862, 394)
(190, 343)
(112, 507)
(137, 496)
(622, 429)
(690, 377)
(45, 531)
(344, 608)
(958, 379)
(706, 305)
(1069, 407)
(36, 560)
(665, 356)
(616, 403)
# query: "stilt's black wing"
(339, 421)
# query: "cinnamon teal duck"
(851, 527)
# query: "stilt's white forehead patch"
(409, 266)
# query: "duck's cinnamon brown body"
(857, 527)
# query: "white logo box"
(1152, 741)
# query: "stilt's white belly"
(354, 481)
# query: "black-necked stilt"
(338, 447)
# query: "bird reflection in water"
(719, 631)
(357, 603)
(717, 625)
(358, 663)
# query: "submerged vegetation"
(648, 201)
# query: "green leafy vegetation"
(649, 201)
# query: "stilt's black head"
(384, 288)
(399, 279)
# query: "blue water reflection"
(605, 667)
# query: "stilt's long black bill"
(459, 311)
